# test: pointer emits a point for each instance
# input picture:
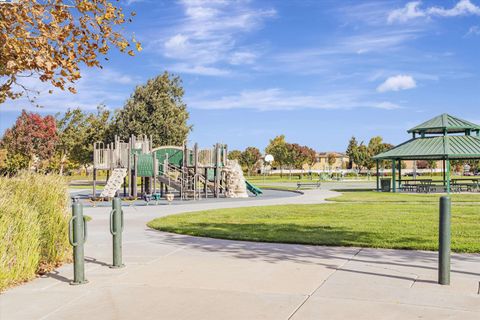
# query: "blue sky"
(316, 71)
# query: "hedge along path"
(33, 226)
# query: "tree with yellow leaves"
(51, 39)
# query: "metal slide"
(256, 191)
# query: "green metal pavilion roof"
(445, 123)
(435, 148)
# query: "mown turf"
(373, 196)
(379, 223)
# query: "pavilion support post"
(444, 168)
(399, 173)
(378, 176)
(448, 175)
(394, 176)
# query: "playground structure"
(167, 170)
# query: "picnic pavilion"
(444, 138)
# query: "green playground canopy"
(449, 138)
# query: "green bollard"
(77, 235)
(116, 229)
(444, 241)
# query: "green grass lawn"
(354, 219)
(361, 196)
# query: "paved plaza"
(170, 276)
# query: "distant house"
(341, 161)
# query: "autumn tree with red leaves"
(31, 141)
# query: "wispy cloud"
(410, 11)
(277, 99)
(95, 87)
(207, 38)
(473, 31)
(413, 10)
(397, 83)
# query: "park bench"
(308, 184)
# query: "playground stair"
(175, 184)
(172, 177)
(202, 179)
(114, 183)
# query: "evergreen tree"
(155, 109)
(351, 149)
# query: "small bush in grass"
(33, 226)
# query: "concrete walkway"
(179, 277)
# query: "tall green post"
(77, 236)
(448, 176)
(394, 176)
(378, 176)
(444, 241)
(116, 229)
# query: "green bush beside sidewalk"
(33, 226)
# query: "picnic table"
(429, 185)
(421, 185)
(465, 184)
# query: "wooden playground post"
(217, 171)
(129, 167)
(134, 177)
(205, 186)
(195, 167)
(94, 182)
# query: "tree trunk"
(62, 160)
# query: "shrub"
(33, 226)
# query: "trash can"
(385, 185)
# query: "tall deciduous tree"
(361, 157)
(331, 159)
(51, 39)
(279, 150)
(249, 157)
(78, 131)
(155, 109)
(32, 138)
(234, 155)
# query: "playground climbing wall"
(236, 185)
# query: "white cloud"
(410, 11)
(396, 83)
(473, 31)
(462, 8)
(209, 34)
(242, 57)
(198, 69)
(413, 11)
(96, 86)
(275, 99)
